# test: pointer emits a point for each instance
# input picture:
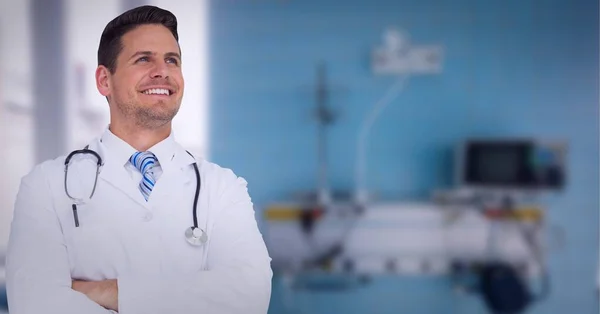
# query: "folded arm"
(239, 275)
(38, 277)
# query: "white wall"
(85, 21)
(191, 124)
(16, 128)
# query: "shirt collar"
(165, 151)
(120, 151)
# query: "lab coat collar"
(120, 151)
(182, 158)
(114, 149)
(181, 173)
(115, 153)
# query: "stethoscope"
(194, 234)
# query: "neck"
(139, 138)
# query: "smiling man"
(145, 90)
(129, 247)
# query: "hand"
(104, 292)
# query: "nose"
(159, 70)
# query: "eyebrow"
(141, 53)
(150, 53)
(173, 54)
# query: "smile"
(158, 91)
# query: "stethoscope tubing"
(99, 165)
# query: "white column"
(49, 83)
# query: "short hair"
(110, 41)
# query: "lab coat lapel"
(180, 174)
(118, 178)
(115, 174)
(183, 162)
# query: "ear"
(103, 80)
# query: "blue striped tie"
(144, 162)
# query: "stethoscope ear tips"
(195, 236)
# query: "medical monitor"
(510, 164)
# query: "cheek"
(128, 85)
(180, 82)
(177, 77)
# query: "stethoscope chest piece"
(195, 236)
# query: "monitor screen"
(520, 164)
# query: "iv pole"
(325, 117)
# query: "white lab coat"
(139, 243)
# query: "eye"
(173, 61)
(142, 59)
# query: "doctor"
(136, 238)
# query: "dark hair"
(110, 42)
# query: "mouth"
(158, 92)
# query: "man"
(124, 249)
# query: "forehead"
(155, 38)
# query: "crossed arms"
(39, 278)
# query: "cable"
(528, 236)
(389, 96)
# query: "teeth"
(157, 91)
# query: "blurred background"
(403, 156)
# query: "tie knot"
(143, 161)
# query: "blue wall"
(525, 68)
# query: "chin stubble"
(148, 118)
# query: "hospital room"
(406, 156)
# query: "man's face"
(147, 86)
